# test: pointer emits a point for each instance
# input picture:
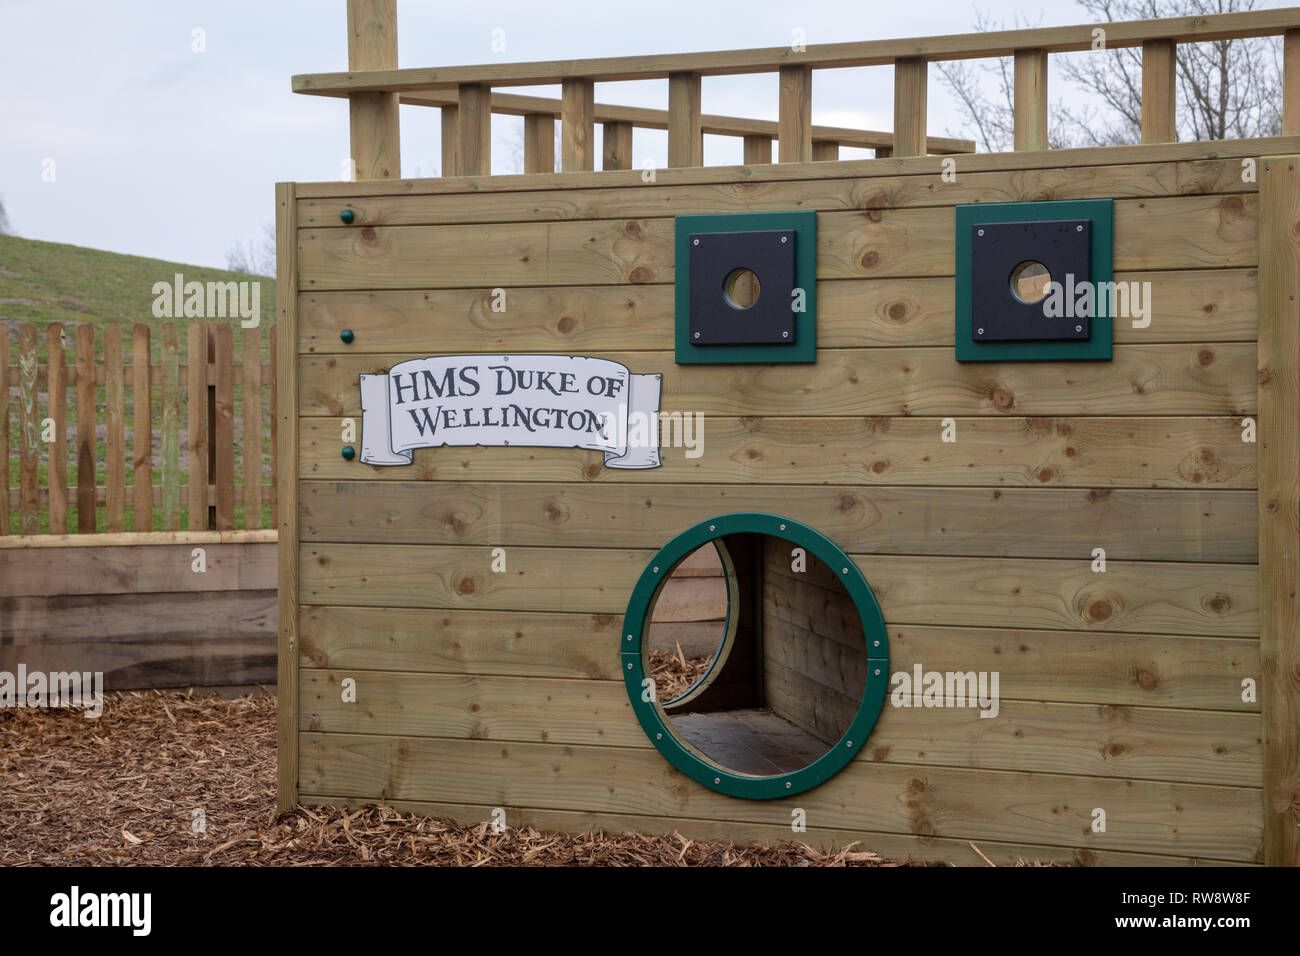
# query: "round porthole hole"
(760, 655)
(740, 288)
(1029, 282)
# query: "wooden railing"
(99, 382)
(375, 86)
(618, 122)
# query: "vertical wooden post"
(141, 430)
(450, 141)
(1029, 108)
(474, 130)
(29, 432)
(539, 143)
(617, 141)
(275, 426)
(286, 377)
(225, 418)
(210, 380)
(251, 339)
(577, 125)
(4, 432)
(825, 151)
(794, 123)
(1159, 92)
(171, 428)
(85, 428)
(372, 45)
(1279, 502)
(57, 406)
(1291, 83)
(911, 93)
(685, 136)
(197, 389)
(758, 150)
(115, 422)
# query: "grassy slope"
(44, 282)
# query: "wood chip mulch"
(124, 789)
(674, 673)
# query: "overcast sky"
(162, 151)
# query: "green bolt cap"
(347, 336)
(349, 453)
(347, 215)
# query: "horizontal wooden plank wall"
(814, 649)
(140, 613)
(1120, 690)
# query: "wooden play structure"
(1034, 591)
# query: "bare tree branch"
(1226, 88)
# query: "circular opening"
(783, 691)
(688, 624)
(1029, 281)
(740, 288)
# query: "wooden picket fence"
(198, 388)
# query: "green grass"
(46, 282)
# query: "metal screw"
(659, 736)
(844, 570)
(788, 785)
(1078, 328)
(877, 670)
(848, 743)
(629, 637)
(697, 335)
(656, 570)
(717, 780)
(785, 239)
(629, 667)
(1078, 228)
(980, 331)
(782, 527)
(981, 232)
(712, 528)
(785, 335)
(695, 241)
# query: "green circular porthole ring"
(650, 713)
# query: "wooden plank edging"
(141, 538)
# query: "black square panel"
(714, 318)
(999, 250)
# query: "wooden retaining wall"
(134, 607)
(1121, 691)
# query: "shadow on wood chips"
(127, 788)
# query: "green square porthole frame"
(1099, 344)
(804, 347)
(651, 714)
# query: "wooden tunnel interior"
(786, 670)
